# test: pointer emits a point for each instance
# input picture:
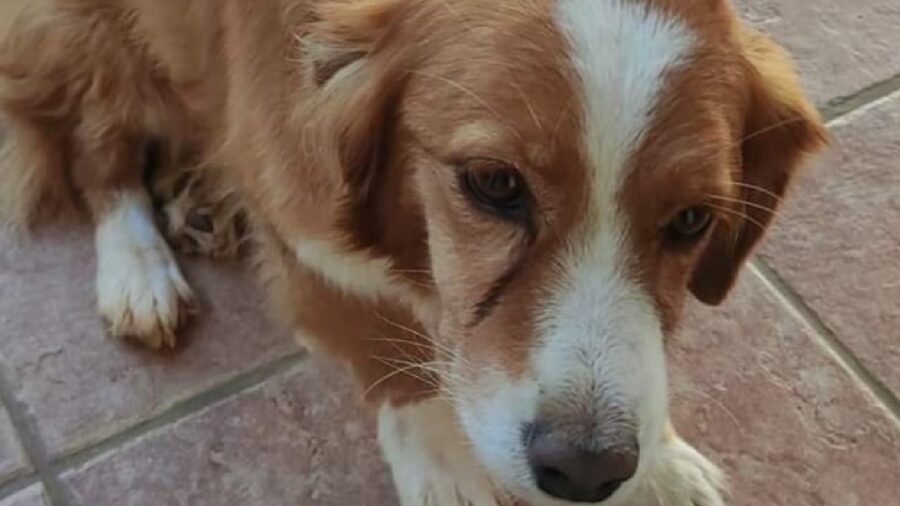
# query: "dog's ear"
(347, 31)
(357, 77)
(780, 128)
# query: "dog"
(491, 212)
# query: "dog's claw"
(141, 293)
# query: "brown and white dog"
(490, 210)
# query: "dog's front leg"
(140, 290)
(430, 458)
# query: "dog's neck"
(379, 247)
(370, 242)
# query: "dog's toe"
(146, 306)
(141, 293)
(681, 477)
(195, 220)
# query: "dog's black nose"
(569, 472)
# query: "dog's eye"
(689, 225)
(495, 185)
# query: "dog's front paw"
(141, 293)
(682, 476)
(430, 460)
(441, 491)
(197, 220)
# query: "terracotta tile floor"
(793, 386)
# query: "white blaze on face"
(599, 352)
(601, 335)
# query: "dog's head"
(569, 171)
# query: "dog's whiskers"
(415, 370)
(759, 189)
(438, 368)
(392, 374)
(428, 339)
(531, 111)
(738, 214)
(775, 126)
(481, 101)
(753, 205)
(559, 122)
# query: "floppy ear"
(780, 129)
(357, 78)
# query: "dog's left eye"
(495, 185)
(689, 225)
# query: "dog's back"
(84, 83)
(93, 94)
(33, 102)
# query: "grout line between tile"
(181, 410)
(33, 446)
(827, 338)
(835, 112)
(840, 107)
(17, 485)
(47, 471)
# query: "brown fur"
(84, 85)
(99, 79)
(751, 129)
(344, 122)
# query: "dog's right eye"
(689, 225)
(495, 186)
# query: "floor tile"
(754, 390)
(839, 45)
(838, 242)
(300, 439)
(32, 496)
(13, 461)
(80, 386)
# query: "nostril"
(550, 478)
(566, 471)
(558, 484)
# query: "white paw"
(431, 463)
(140, 291)
(682, 477)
